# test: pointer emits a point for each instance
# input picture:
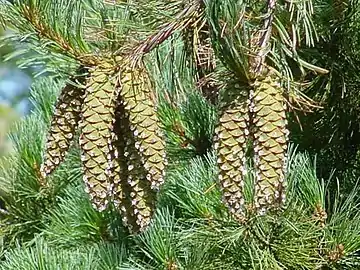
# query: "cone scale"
(123, 152)
(141, 195)
(122, 148)
(140, 150)
(261, 118)
(120, 189)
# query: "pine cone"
(132, 193)
(121, 189)
(144, 123)
(63, 126)
(230, 138)
(270, 142)
(141, 195)
(95, 140)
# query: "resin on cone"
(132, 194)
(141, 195)
(121, 190)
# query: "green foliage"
(41, 256)
(25, 199)
(74, 220)
(191, 229)
(51, 224)
(310, 193)
(194, 199)
(79, 31)
(333, 133)
(189, 126)
(234, 39)
(22, 193)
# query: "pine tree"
(182, 160)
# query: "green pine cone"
(120, 189)
(64, 124)
(230, 143)
(141, 196)
(144, 124)
(95, 140)
(136, 207)
(270, 143)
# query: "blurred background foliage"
(14, 91)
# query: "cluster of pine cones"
(123, 152)
(258, 117)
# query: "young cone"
(63, 126)
(230, 143)
(144, 123)
(96, 126)
(270, 142)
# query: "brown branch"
(182, 20)
(204, 58)
(263, 40)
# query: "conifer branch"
(262, 38)
(182, 20)
(43, 30)
(32, 15)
